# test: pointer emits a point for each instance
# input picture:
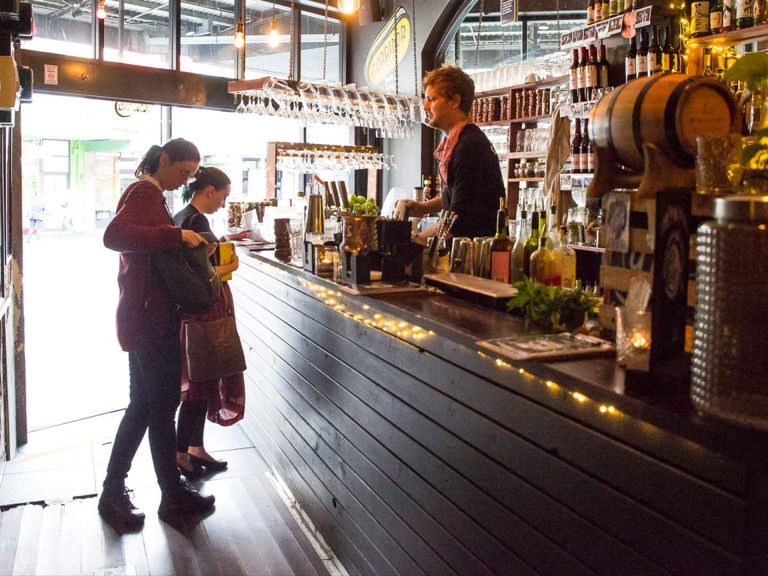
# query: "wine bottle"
(744, 16)
(587, 158)
(708, 64)
(518, 250)
(501, 248)
(613, 8)
(532, 244)
(590, 82)
(654, 54)
(667, 53)
(576, 148)
(678, 64)
(641, 61)
(699, 18)
(727, 15)
(591, 12)
(583, 63)
(630, 61)
(574, 79)
(716, 17)
(602, 69)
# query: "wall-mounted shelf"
(605, 28)
(546, 83)
(523, 155)
(732, 38)
(536, 179)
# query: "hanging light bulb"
(239, 35)
(274, 36)
(349, 6)
(101, 11)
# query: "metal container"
(730, 348)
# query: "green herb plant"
(549, 308)
(752, 68)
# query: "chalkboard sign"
(508, 11)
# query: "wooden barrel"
(669, 110)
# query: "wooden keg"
(669, 110)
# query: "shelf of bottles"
(730, 37)
(605, 27)
(518, 104)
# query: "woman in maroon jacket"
(148, 328)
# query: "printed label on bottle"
(576, 162)
(666, 63)
(574, 83)
(603, 77)
(699, 17)
(629, 67)
(653, 64)
(715, 20)
(590, 162)
(743, 9)
(641, 66)
(500, 266)
(590, 76)
(580, 77)
(727, 13)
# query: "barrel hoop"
(670, 126)
(636, 118)
(609, 115)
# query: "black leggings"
(189, 432)
(155, 390)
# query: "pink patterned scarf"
(445, 149)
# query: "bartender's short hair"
(451, 81)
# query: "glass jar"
(730, 363)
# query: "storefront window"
(319, 36)
(62, 28)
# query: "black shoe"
(183, 500)
(194, 474)
(118, 511)
(212, 465)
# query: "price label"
(590, 33)
(602, 29)
(615, 25)
(566, 40)
(643, 17)
(578, 35)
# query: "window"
(139, 34)
(317, 39)
(207, 28)
(264, 55)
(63, 28)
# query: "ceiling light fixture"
(101, 11)
(274, 37)
(348, 6)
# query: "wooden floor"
(49, 524)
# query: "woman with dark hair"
(148, 329)
(221, 401)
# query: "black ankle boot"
(181, 500)
(118, 511)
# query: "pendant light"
(274, 36)
(348, 6)
(239, 40)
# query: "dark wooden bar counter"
(416, 452)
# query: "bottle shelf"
(530, 119)
(535, 179)
(732, 37)
(605, 28)
(523, 155)
(547, 82)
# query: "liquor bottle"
(613, 7)
(758, 11)
(700, 18)
(591, 12)
(716, 17)
(576, 148)
(606, 9)
(602, 69)
(744, 16)
(532, 244)
(542, 264)
(708, 64)
(598, 10)
(587, 157)
(590, 82)
(727, 15)
(628, 5)
(552, 234)
(667, 53)
(565, 260)
(678, 64)
(630, 62)
(583, 63)
(574, 79)
(641, 62)
(654, 54)
(518, 250)
(501, 248)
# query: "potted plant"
(551, 308)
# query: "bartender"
(469, 167)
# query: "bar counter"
(414, 451)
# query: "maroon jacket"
(142, 225)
